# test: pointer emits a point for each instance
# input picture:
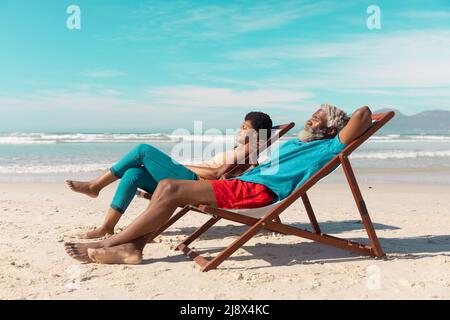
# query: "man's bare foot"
(97, 233)
(123, 254)
(83, 187)
(79, 251)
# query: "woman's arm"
(210, 173)
(238, 171)
(216, 173)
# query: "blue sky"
(152, 65)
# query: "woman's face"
(246, 130)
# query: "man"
(325, 134)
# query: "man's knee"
(169, 188)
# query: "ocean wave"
(386, 137)
(409, 138)
(46, 138)
(401, 154)
(19, 138)
(41, 169)
(63, 168)
(66, 168)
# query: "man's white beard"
(309, 134)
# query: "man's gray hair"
(337, 118)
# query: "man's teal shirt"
(294, 163)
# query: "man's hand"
(360, 121)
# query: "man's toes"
(81, 257)
(69, 246)
(71, 249)
(74, 252)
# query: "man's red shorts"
(237, 194)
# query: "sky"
(149, 66)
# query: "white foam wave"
(46, 138)
(401, 154)
(409, 138)
(19, 138)
(42, 169)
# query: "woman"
(144, 166)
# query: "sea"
(54, 157)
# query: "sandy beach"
(411, 220)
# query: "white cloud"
(405, 92)
(49, 101)
(425, 15)
(110, 92)
(103, 74)
(401, 59)
(187, 20)
(203, 97)
(163, 100)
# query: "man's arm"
(360, 121)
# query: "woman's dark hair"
(260, 120)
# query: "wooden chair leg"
(198, 232)
(361, 206)
(277, 219)
(311, 215)
(238, 243)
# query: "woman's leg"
(158, 164)
(92, 188)
(169, 195)
(107, 228)
(131, 180)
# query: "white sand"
(412, 221)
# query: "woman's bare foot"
(83, 187)
(123, 254)
(97, 233)
(79, 251)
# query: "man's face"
(315, 128)
(317, 121)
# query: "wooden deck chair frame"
(269, 220)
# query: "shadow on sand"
(306, 252)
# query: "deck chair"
(277, 132)
(266, 217)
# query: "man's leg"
(168, 196)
